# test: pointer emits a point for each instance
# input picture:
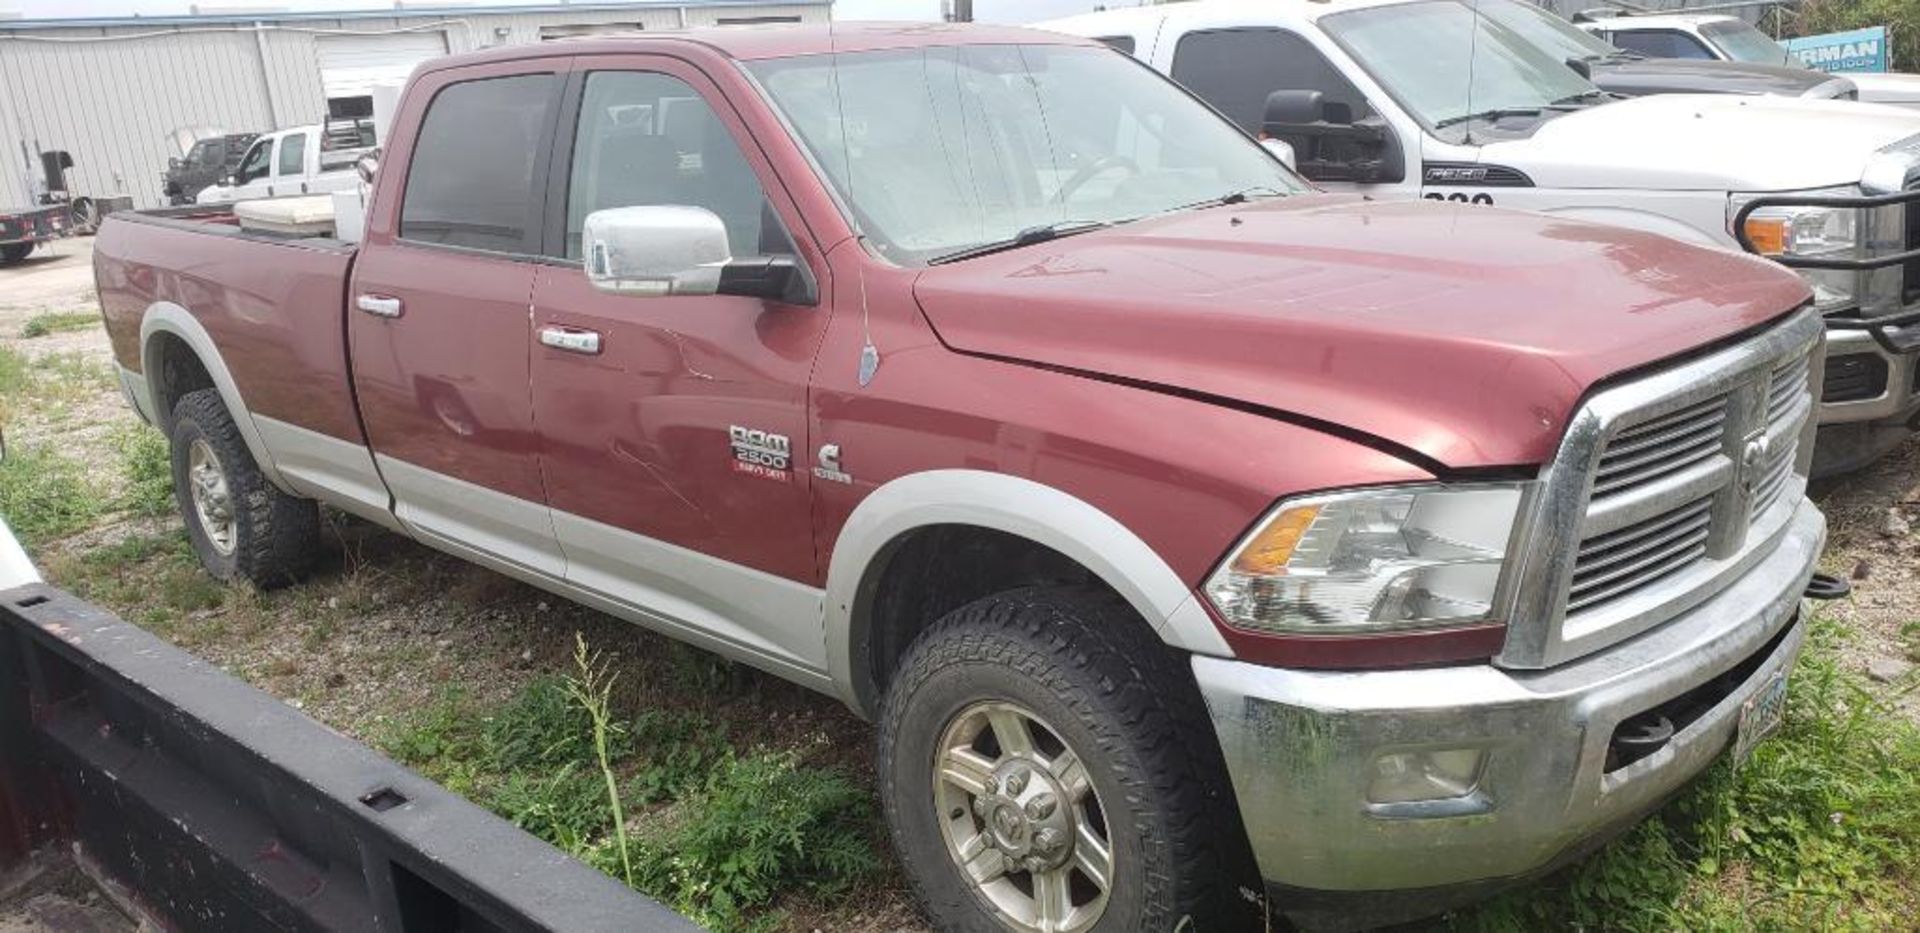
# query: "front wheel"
(1046, 767)
(240, 525)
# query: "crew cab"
(23, 228)
(302, 160)
(1195, 539)
(1721, 37)
(1373, 97)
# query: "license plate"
(1760, 716)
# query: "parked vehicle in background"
(1632, 74)
(210, 161)
(312, 159)
(23, 228)
(1721, 37)
(1373, 97)
(1166, 515)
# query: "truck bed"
(273, 304)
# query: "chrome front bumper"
(1302, 746)
(1855, 433)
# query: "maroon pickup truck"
(1193, 538)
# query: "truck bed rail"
(221, 808)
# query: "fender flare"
(165, 317)
(1020, 507)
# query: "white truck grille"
(1673, 483)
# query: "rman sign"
(1858, 50)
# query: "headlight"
(1818, 233)
(1407, 557)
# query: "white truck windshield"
(1448, 64)
(942, 150)
(1743, 43)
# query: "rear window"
(471, 181)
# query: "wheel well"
(931, 571)
(179, 371)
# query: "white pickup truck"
(311, 159)
(1720, 37)
(1374, 96)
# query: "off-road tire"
(15, 252)
(1123, 701)
(275, 535)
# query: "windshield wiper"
(1027, 237)
(1493, 114)
(1576, 98)
(1237, 196)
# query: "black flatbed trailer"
(23, 228)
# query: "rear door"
(438, 311)
(675, 448)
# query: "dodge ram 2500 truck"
(1181, 528)
(1374, 97)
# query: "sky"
(1000, 11)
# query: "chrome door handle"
(571, 339)
(378, 305)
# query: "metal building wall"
(112, 95)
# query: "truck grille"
(1672, 482)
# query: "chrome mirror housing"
(656, 250)
(367, 166)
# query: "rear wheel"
(241, 526)
(1047, 768)
(15, 252)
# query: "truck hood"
(1464, 334)
(1675, 142)
(1634, 77)
(1887, 88)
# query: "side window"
(293, 155)
(255, 164)
(1661, 43)
(1235, 70)
(1118, 43)
(471, 180)
(650, 139)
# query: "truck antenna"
(1473, 55)
(869, 354)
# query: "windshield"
(939, 150)
(1549, 32)
(1424, 53)
(1743, 43)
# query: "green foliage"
(762, 824)
(54, 322)
(148, 463)
(567, 808)
(1813, 17)
(679, 750)
(446, 734)
(15, 371)
(591, 687)
(1821, 829)
(541, 727)
(43, 495)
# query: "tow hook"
(1827, 586)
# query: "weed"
(761, 824)
(14, 371)
(544, 727)
(44, 495)
(444, 736)
(148, 464)
(680, 751)
(591, 686)
(53, 322)
(567, 808)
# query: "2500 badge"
(761, 453)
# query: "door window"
(650, 139)
(254, 166)
(1235, 70)
(1661, 43)
(293, 156)
(471, 181)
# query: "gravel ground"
(386, 624)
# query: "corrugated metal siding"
(114, 104)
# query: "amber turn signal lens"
(1267, 554)
(1768, 235)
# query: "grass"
(44, 495)
(55, 322)
(659, 799)
(1820, 830)
(146, 462)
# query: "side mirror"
(1281, 150)
(1581, 67)
(669, 249)
(230, 181)
(1333, 145)
(367, 166)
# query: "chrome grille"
(1663, 487)
(1661, 447)
(1619, 562)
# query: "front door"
(675, 447)
(438, 315)
(289, 166)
